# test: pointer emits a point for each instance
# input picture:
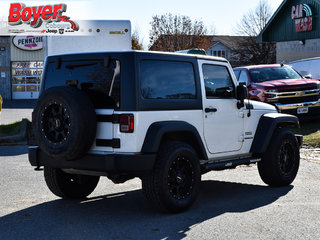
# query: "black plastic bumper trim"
(111, 163)
(108, 118)
(114, 143)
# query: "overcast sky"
(222, 15)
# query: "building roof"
(281, 27)
(232, 42)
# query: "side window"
(237, 73)
(218, 82)
(243, 78)
(167, 80)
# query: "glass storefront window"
(26, 76)
(33, 80)
(18, 80)
(19, 88)
(31, 88)
(27, 65)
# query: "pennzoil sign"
(28, 43)
(302, 16)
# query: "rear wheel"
(69, 186)
(279, 165)
(174, 183)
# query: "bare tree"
(212, 29)
(174, 32)
(136, 43)
(251, 24)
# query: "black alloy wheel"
(56, 123)
(181, 178)
(286, 158)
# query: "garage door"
(26, 78)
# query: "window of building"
(26, 77)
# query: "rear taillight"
(126, 122)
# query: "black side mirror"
(242, 91)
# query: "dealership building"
(295, 27)
(22, 56)
(22, 59)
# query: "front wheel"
(69, 186)
(279, 165)
(174, 183)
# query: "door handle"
(208, 110)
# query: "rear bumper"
(110, 163)
(314, 107)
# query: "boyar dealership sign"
(28, 43)
(302, 15)
(34, 16)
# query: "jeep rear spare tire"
(64, 123)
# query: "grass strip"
(312, 140)
(10, 129)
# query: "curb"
(18, 139)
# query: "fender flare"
(266, 127)
(158, 130)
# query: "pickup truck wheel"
(279, 165)
(64, 123)
(174, 183)
(69, 186)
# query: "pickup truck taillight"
(126, 122)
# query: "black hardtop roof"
(144, 53)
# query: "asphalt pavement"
(15, 110)
(233, 204)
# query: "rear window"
(93, 76)
(167, 80)
(273, 73)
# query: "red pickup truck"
(282, 86)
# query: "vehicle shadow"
(14, 150)
(19, 104)
(127, 215)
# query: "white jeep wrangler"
(166, 118)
